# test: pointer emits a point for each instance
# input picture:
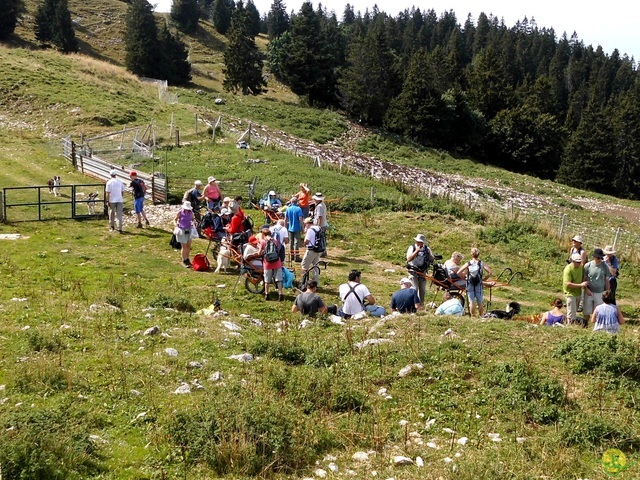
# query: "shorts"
(475, 293)
(183, 237)
(591, 302)
(138, 204)
(271, 275)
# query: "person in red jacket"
(237, 221)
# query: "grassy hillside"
(86, 394)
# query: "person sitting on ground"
(474, 271)
(607, 317)
(356, 298)
(453, 266)
(251, 254)
(309, 302)
(555, 316)
(406, 299)
(450, 306)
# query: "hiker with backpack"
(271, 263)
(357, 299)
(475, 269)
(315, 244)
(138, 189)
(419, 257)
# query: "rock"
(152, 330)
(215, 377)
(407, 370)
(172, 352)
(333, 467)
(462, 441)
(256, 322)
(433, 445)
(382, 391)
(399, 460)
(337, 320)
(305, 323)
(448, 430)
(402, 423)
(242, 357)
(195, 365)
(419, 462)
(521, 439)
(182, 389)
(495, 437)
(372, 341)
(135, 393)
(66, 250)
(360, 456)
(16, 299)
(98, 440)
(320, 473)
(231, 326)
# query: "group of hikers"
(299, 224)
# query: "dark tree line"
(150, 53)
(11, 11)
(517, 97)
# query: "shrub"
(179, 304)
(605, 354)
(288, 352)
(592, 431)
(45, 342)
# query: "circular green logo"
(614, 461)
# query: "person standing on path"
(138, 190)
(114, 193)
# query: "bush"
(45, 342)
(522, 387)
(592, 431)
(605, 354)
(179, 304)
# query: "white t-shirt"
(310, 237)
(320, 211)
(115, 188)
(280, 233)
(353, 301)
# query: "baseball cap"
(133, 173)
(113, 173)
(576, 257)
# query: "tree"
(11, 9)
(176, 69)
(221, 16)
(141, 39)
(277, 19)
(53, 25)
(254, 18)
(306, 64)
(185, 14)
(242, 59)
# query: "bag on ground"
(200, 263)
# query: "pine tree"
(64, 38)
(626, 180)
(11, 10)
(221, 15)
(141, 39)
(254, 18)
(53, 25)
(242, 59)
(185, 14)
(277, 19)
(176, 69)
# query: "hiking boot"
(323, 254)
(187, 263)
(297, 259)
(147, 223)
(139, 225)
(266, 297)
(281, 298)
(111, 229)
(120, 232)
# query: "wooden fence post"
(563, 224)
(177, 137)
(196, 126)
(171, 127)
(617, 237)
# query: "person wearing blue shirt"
(406, 299)
(294, 222)
(450, 306)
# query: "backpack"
(320, 244)
(247, 223)
(143, 186)
(475, 274)
(200, 263)
(421, 261)
(271, 251)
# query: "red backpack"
(200, 263)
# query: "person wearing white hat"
(212, 193)
(406, 299)
(419, 257)
(195, 197)
(320, 215)
(572, 285)
(183, 221)
(114, 196)
(271, 204)
(576, 247)
(613, 264)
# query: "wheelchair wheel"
(254, 284)
(302, 285)
(458, 296)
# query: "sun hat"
(211, 179)
(186, 205)
(133, 173)
(420, 238)
(226, 200)
(318, 196)
(576, 257)
(271, 192)
(578, 239)
(197, 182)
(608, 250)
(225, 211)
(308, 220)
(113, 173)
(404, 280)
(598, 253)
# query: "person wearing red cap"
(138, 189)
(251, 253)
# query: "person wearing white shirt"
(114, 195)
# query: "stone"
(152, 330)
(172, 352)
(400, 460)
